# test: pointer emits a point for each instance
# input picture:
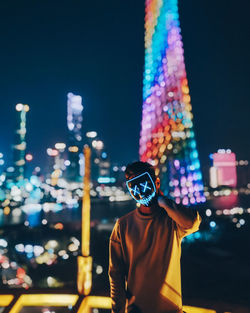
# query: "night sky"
(96, 49)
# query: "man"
(145, 247)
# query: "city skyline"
(9, 162)
(110, 72)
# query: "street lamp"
(84, 261)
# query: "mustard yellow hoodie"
(144, 259)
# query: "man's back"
(146, 250)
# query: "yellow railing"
(92, 302)
(87, 304)
(5, 300)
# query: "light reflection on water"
(226, 202)
(102, 209)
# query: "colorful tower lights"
(167, 138)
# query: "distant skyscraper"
(243, 174)
(100, 167)
(223, 171)
(19, 147)
(1, 162)
(167, 138)
(74, 123)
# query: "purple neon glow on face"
(167, 137)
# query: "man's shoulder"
(121, 223)
(127, 217)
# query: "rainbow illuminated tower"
(167, 138)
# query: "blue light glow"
(143, 197)
(145, 186)
(212, 224)
(106, 180)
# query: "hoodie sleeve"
(187, 219)
(185, 231)
(116, 272)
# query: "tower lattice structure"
(167, 138)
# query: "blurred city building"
(243, 173)
(100, 161)
(19, 147)
(223, 170)
(117, 171)
(75, 140)
(1, 162)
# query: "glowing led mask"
(142, 188)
